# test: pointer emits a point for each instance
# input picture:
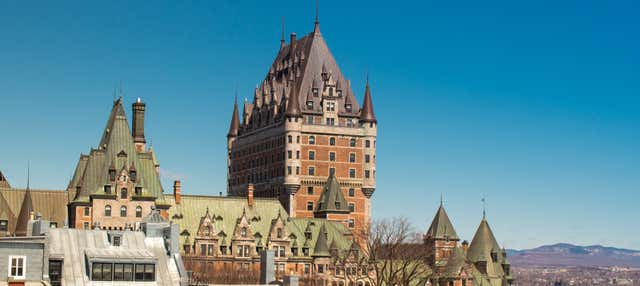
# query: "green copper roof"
(321, 249)
(332, 199)
(482, 246)
(441, 227)
(116, 150)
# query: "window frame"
(332, 141)
(107, 211)
(23, 267)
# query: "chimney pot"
(177, 189)
(250, 195)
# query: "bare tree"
(396, 254)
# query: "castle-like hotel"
(301, 175)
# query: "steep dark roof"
(441, 227)
(483, 243)
(366, 113)
(321, 249)
(22, 222)
(116, 149)
(332, 199)
(235, 121)
(50, 204)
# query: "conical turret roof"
(22, 223)
(483, 243)
(4, 183)
(321, 249)
(332, 199)
(441, 227)
(235, 121)
(366, 113)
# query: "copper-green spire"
(441, 227)
(321, 249)
(332, 199)
(483, 243)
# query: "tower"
(303, 124)
(441, 239)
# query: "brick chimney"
(176, 191)
(137, 129)
(250, 195)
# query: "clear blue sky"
(534, 105)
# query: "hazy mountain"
(564, 254)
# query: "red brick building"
(303, 125)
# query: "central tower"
(303, 125)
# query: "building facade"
(304, 125)
(117, 184)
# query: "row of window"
(122, 272)
(332, 141)
(351, 192)
(123, 211)
(332, 156)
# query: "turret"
(138, 108)
(235, 121)
(366, 113)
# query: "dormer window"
(107, 189)
(279, 233)
(337, 205)
(315, 91)
(133, 174)
(123, 193)
(112, 175)
(348, 106)
(305, 251)
(310, 104)
(331, 92)
(138, 191)
(339, 93)
(243, 232)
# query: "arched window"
(290, 139)
(107, 210)
(123, 211)
(312, 140)
(123, 193)
(332, 141)
(138, 211)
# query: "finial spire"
(484, 208)
(441, 201)
(120, 88)
(282, 43)
(28, 173)
(316, 28)
(115, 89)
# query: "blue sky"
(533, 105)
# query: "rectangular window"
(332, 156)
(123, 272)
(320, 268)
(87, 211)
(332, 170)
(288, 170)
(352, 192)
(352, 157)
(352, 223)
(352, 142)
(312, 171)
(366, 174)
(310, 118)
(367, 143)
(309, 206)
(297, 170)
(352, 173)
(4, 225)
(203, 249)
(101, 271)
(309, 190)
(115, 240)
(145, 272)
(298, 154)
(307, 268)
(289, 154)
(312, 155)
(85, 225)
(55, 272)
(352, 207)
(367, 158)
(17, 266)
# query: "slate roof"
(50, 204)
(441, 227)
(481, 247)
(4, 183)
(116, 149)
(332, 199)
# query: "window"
(290, 139)
(332, 141)
(309, 206)
(203, 249)
(352, 192)
(115, 240)
(85, 225)
(305, 251)
(243, 250)
(138, 191)
(243, 232)
(348, 106)
(280, 251)
(17, 266)
(55, 272)
(337, 205)
(87, 211)
(367, 143)
(297, 139)
(312, 140)
(352, 157)
(352, 207)
(101, 271)
(298, 154)
(309, 190)
(352, 223)
(312, 172)
(123, 211)
(331, 106)
(320, 268)
(53, 225)
(107, 189)
(145, 272)
(332, 156)
(307, 268)
(289, 170)
(112, 175)
(367, 158)
(133, 175)
(352, 173)
(4, 225)
(310, 117)
(123, 193)
(138, 211)
(331, 121)
(289, 152)
(123, 272)
(352, 142)
(366, 174)
(107, 210)
(297, 170)
(312, 155)
(279, 233)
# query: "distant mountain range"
(564, 254)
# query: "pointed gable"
(332, 199)
(441, 227)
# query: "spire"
(366, 113)
(282, 43)
(483, 243)
(4, 183)
(235, 120)
(293, 108)
(332, 199)
(316, 27)
(26, 209)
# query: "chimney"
(250, 195)
(138, 125)
(292, 40)
(465, 246)
(176, 191)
